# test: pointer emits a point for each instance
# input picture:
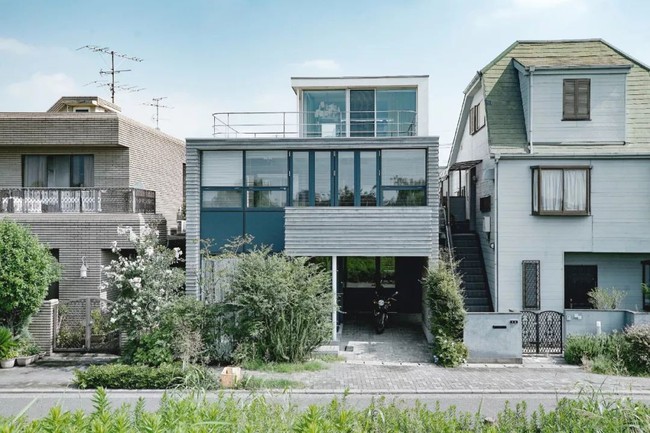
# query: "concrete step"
(478, 309)
(477, 302)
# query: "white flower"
(113, 319)
(149, 251)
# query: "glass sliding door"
(300, 179)
(368, 178)
(362, 113)
(322, 178)
(396, 112)
(345, 173)
(323, 113)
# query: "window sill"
(570, 214)
(565, 119)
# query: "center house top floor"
(389, 106)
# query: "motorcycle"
(380, 310)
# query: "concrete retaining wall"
(493, 337)
(42, 326)
(583, 322)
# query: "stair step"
(474, 285)
(478, 309)
(477, 302)
(469, 278)
(474, 293)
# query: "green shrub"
(579, 347)
(151, 349)
(448, 352)
(637, 355)
(282, 307)
(605, 299)
(7, 343)
(26, 270)
(121, 376)
(444, 297)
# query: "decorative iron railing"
(77, 200)
(303, 124)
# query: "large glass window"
(345, 178)
(362, 113)
(266, 168)
(228, 198)
(403, 177)
(322, 178)
(300, 179)
(561, 190)
(368, 178)
(323, 113)
(266, 198)
(222, 168)
(58, 171)
(396, 112)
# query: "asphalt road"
(39, 403)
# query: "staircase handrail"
(450, 244)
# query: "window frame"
(540, 169)
(645, 279)
(537, 268)
(70, 157)
(475, 118)
(574, 115)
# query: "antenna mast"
(156, 103)
(113, 71)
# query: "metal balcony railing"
(321, 123)
(77, 200)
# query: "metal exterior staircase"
(467, 251)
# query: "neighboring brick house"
(77, 172)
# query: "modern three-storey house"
(350, 179)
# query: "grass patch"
(286, 367)
(253, 383)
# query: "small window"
(485, 203)
(530, 284)
(576, 99)
(561, 190)
(82, 110)
(476, 119)
(646, 284)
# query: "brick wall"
(41, 327)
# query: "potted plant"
(27, 353)
(7, 351)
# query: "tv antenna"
(112, 85)
(156, 103)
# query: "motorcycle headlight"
(380, 302)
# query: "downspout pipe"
(530, 109)
(496, 234)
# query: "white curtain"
(575, 190)
(551, 190)
(35, 174)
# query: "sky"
(207, 56)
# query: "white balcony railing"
(303, 124)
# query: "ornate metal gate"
(84, 325)
(542, 332)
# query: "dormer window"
(576, 99)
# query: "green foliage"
(7, 343)
(579, 347)
(121, 376)
(282, 307)
(231, 414)
(26, 270)
(637, 355)
(449, 352)
(605, 299)
(151, 349)
(444, 297)
(146, 284)
(284, 367)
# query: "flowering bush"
(145, 284)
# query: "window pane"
(551, 190)
(404, 197)
(396, 112)
(403, 167)
(346, 179)
(323, 178)
(300, 178)
(222, 168)
(362, 113)
(323, 113)
(575, 190)
(266, 168)
(35, 171)
(224, 198)
(266, 198)
(536, 190)
(58, 171)
(530, 281)
(82, 171)
(368, 178)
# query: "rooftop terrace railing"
(77, 200)
(320, 123)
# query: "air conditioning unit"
(182, 226)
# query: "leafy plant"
(7, 343)
(449, 352)
(281, 305)
(121, 376)
(579, 347)
(605, 299)
(26, 270)
(637, 355)
(151, 349)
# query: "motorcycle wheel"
(380, 323)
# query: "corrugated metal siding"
(193, 215)
(77, 235)
(371, 232)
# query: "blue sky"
(228, 55)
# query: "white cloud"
(527, 9)
(42, 89)
(320, 65)
(14, 46)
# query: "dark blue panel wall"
(267, 227)
(221, 226)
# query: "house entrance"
(542, 332)
(84, 325)
(578, 281)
